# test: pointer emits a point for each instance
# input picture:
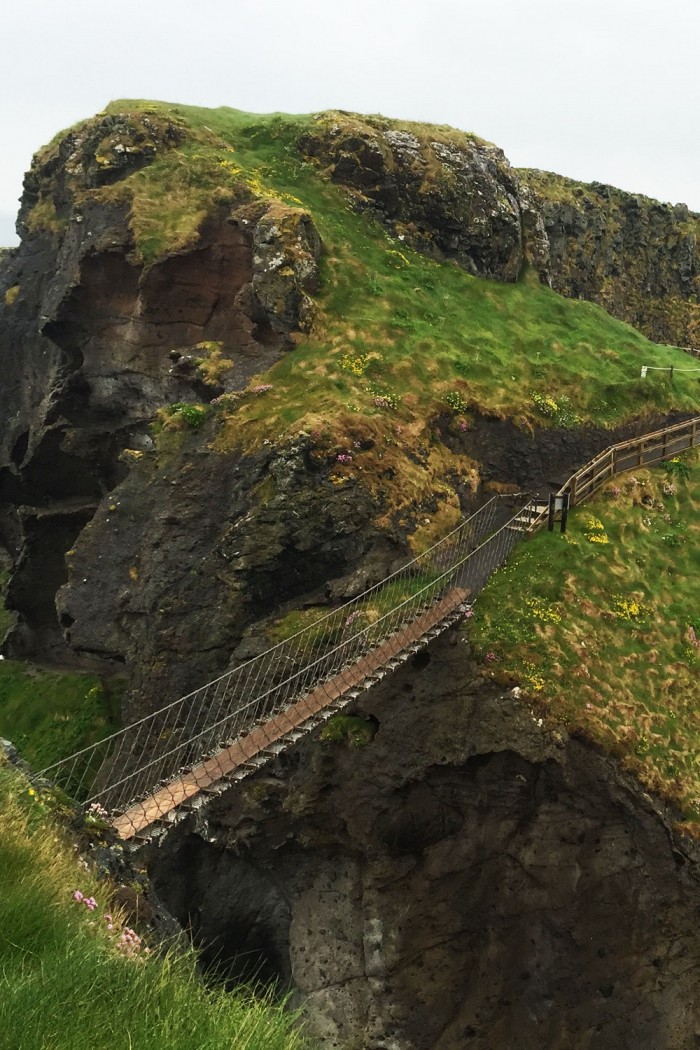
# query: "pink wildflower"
(77, 896)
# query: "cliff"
(454, 196)
(452, 875)
(634, 256)
(249, 366)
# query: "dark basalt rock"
(453, 197)
(638, 258)
(464, 879)
(93, 344)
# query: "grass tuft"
(68, 986)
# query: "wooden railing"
(637, 452)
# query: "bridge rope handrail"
(285, 641)
(245, 688)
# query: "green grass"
(324, 628)
(428, 331)
(65, 984)
(348, 729)
(603, 635)
(51, 714)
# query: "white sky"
(594, 89)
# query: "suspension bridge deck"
(298, 717)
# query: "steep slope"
(56, 951)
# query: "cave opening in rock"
(420, 660)
(236, 914)
(243, 952)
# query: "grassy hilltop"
(402, 346)
(423, 336)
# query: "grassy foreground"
(69, 982)
(601, 626)
(50, 714)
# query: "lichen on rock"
(448, 194)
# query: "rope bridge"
(156, 769)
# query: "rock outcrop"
(636, 257)
(447, 193)
(465, 878)
(94, 341)
(454, 196)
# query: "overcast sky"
(594, 89)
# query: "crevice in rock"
(236, 915)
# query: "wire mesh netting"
(167, 745)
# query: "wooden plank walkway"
(139, 817)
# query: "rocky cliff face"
(93, 343)
(463, 878)
(448, 194)
(636, 257)
(454, 196)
